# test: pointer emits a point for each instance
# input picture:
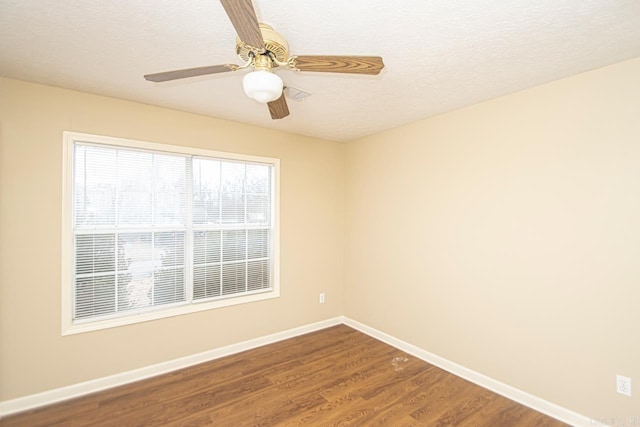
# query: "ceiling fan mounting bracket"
(291, 63)
(275, 46)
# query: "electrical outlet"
(623, 385)
(321, 297)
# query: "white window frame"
(70, 327)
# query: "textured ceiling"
(439, 54)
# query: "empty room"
(372, 213)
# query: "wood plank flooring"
(333, 377)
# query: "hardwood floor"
(334, 377)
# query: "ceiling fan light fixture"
(263, 86)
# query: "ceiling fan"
(263, 49)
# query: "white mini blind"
(153, 229)
(130, 228)
(232, 224)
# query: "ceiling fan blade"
(243, 18)
(339, 64)
(278, 108)
(190, 72)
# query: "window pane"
(169, 189)
(145, 279)
(94, 296)
(169, 248)
(258, 208)
(206, 191)
(234, 244)
(135, 265)
(206, 281)
(258, 179)
(134, 292)
(94, 192)
(259, 243)
(152, 188)
(169, 286)
(95, 253)
(234, 278)
(258, 193)
(232, 180)
(232, 208)
(258, 275)
(232, 193)
(135, 254)
(206, 247)
(135, 179)
(141, 187)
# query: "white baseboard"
(48, 397)
(533, 402)
(76, 390)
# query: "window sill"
(71, 328)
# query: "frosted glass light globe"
(262, 86)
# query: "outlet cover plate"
(623, 385)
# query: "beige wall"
(506, 237)
(34, 357)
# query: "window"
(153, 231)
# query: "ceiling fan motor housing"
(274, 43)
